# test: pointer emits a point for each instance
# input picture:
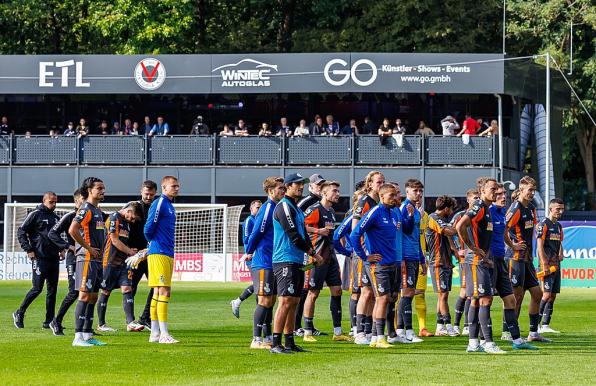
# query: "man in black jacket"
(137, 240)
(67, 246)
(44, 255)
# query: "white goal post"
(206, 239)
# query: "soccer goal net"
(206, 237)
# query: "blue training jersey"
(343, 232)
(399, 238)
(290, 240)
(497, 241)
(247, 226)
(260, 240)
(378, 227)
(412, 250)
(160, 226)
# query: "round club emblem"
(150, 74)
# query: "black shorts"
(479, 281)
(88, 276)
(383, 278)
(289, 279)
(552, 283)
(263, 281)
(409, 274)
(327, 273)
(522, 274)
(441, 278)
(116, 277)
(501, 282)
(398, 279)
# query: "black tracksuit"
(33, 237)
(137, 240)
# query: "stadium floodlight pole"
(504, 24)
(547, 139)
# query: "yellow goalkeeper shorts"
(160, 268)
(422, 281)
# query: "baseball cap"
(295, 177)
(316, 179)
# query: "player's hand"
(323, 231)
(31, 255)
(374, 258)
(248, 257)
(63, 254)
(94, 252)
(521, 246)
(480, 253)
(488, 262)
(133, 251)
(410, 209)
(317, 259)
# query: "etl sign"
(45, 73)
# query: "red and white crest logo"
(150, 74)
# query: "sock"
(80, 315)
(466, 312)
(88, 326)
(380, 328)
(420, 304)
(162, 313)
(267, 324)
(153, 308)
(308, 324)
(407, 312)
(335, 308)
(368, 324)
(289, 339)
(534, 320)
(439, 319)
(353, 316)
(548, 312)
(459, 310)
(246, 293)
(276, 339)
(511, 323)
(128, 304)
(102, 306)
(447, 318)
(300, 310)
(485, 323)
(505, 326)
(257, 321)
(473, 322)
(541, 307)
(155, 327)
(391, 319)
(360, 323)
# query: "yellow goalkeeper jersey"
(423, 225)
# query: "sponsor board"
(240, 268)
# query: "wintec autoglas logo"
(246, 73)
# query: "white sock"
(238, 300)
(154, 327)
(399, 331)
(79, 335)
(354, 330)
(474, 342)
(87, 335)
(336, 330)
(163, 328)
(518, 341)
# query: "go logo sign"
(343, 75)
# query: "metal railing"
(409, 150)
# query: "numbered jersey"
(120, 227)
(480, 230)
(552, 235)
(317, 216)
(521, 221)
(93, 230)
(439, 249)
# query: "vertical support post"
(504, 25)
(547, 139)
(500, 118)
(225, 242)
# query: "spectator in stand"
(283, 130)
(160, 128)
(70, 130)
(470, 126)
(385, 131)
(265, 130)
(116, 129)
(82, 129)
(493, 129)
(350, 129)
(227, 131)
(103, 126)
(311, 127)
(424, 130)
(483, 125)
(301, 130)
(368, 128)
(146, 126)
(127, 129)
(53, 133)
(135, 128)
(449, 125)
(198, 127)
(399, 128)
(4, 128)
(317, 126)
(241, 129)
(28, 134)
(331, 127)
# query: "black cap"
(295, 177)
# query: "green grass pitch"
(214, 348)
